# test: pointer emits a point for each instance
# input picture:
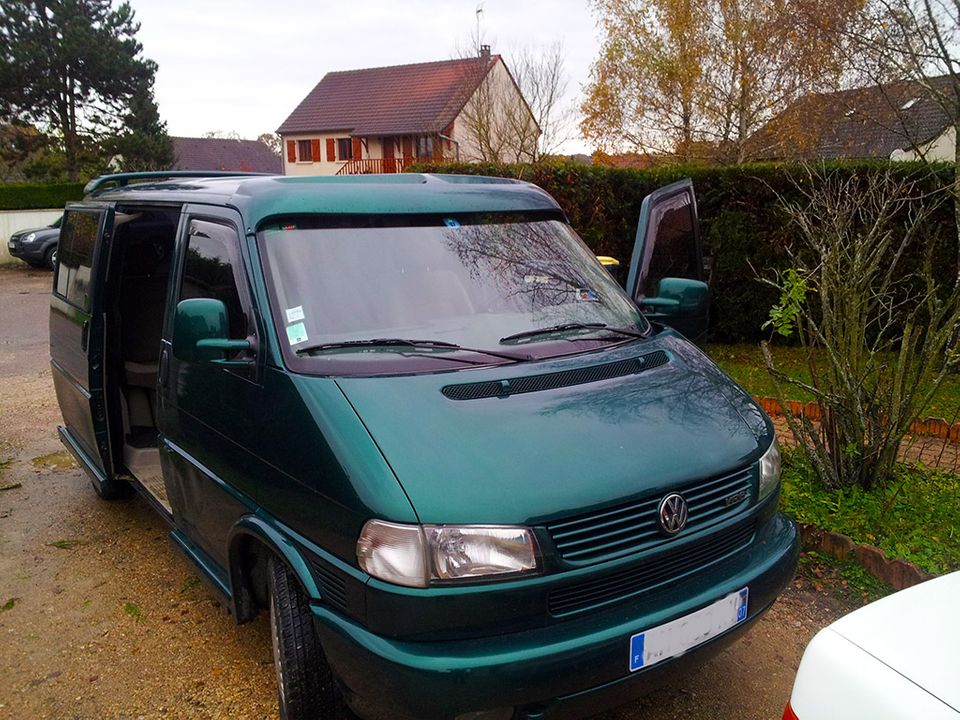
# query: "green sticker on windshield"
(297, 333)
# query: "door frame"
(643, 249)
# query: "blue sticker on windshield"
(450, 222)
(587, 295)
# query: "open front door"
(666, 271)
(77, 338)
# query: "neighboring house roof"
(398, 100)
(868, 122)
(224, 154)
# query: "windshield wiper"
(403, 342)
(565, 327)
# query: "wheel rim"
(53, 258)
(275, 641)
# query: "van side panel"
(76, 332)
(70, 370)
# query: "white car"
(895, 659)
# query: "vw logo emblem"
(673, 514)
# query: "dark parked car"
(37, 246)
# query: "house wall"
(498, 99)
(319, 166)
(941, 149)
(371, 149)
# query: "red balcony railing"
(373, 166)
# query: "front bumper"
(564, 670)
(28, 252)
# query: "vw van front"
(593, 500)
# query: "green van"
(417, 422)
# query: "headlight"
(30, 238)
(416, 555)
(769, 470)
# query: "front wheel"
(306, 687)
(50, 259)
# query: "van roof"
(261, 197)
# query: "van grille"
(655, 571)
(633, 527)
(551, 381)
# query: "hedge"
(743, 228)
(37, 197)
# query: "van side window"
(674, 254)
(211, 269)
(78, 238)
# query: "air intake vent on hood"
(550, 381)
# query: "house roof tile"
(868, 122)
(224, 154)
(396, 100)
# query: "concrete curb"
(934, 427)
(899, 574)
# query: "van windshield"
(340, 286)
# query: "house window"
(424, 147)
(344, 149)
(304, 151)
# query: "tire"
(306, 687)
(50, 258)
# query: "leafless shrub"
(878, 328)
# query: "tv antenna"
(478, 12)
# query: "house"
(378, 120)
(224, 154)
(898, 121)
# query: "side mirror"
(201, 332)
(681, 303)
(679, 297)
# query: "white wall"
(13, 220)
(940, 149)
(501, 97)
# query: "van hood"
(532, 457)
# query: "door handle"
(163, 370)
(84, 335)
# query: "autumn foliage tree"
(696, 79)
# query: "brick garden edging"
(899, 574)
(934, 427)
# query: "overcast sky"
(243, 65)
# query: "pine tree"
(73, 65)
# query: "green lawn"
(913, 518)
(745, 365)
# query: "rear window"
(78, 238)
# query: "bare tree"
(223, 134)
(516, 112)
(542, 78)
(272, 141)
(877, 328)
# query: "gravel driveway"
(102, 618)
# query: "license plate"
(677, 636)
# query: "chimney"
(485, 52)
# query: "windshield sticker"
(450, 222)
(587, 295)
(540, 279)
(295, 313)
(297, 333)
